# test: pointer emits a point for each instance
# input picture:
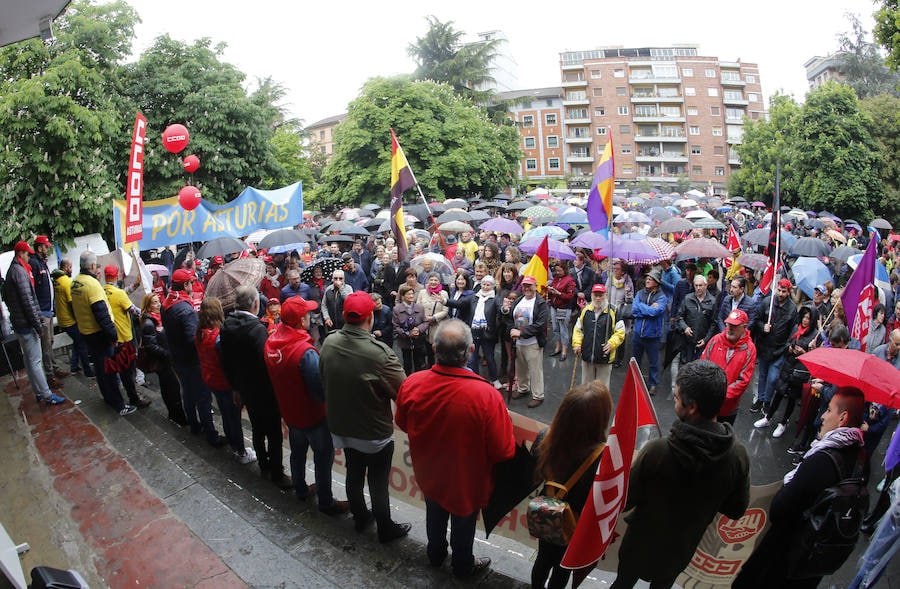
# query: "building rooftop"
(328, 121)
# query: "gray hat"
(346, 256)
(655, 274)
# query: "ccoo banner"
(135, 192)
(166, 223)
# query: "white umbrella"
(698, 214)
(685, 202)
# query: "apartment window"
(529, 143)
(621, 91)
(322, 134)
(731, 76)
(595, 74)
(692, 111)
(601, 130)
(689, 91)
(750, 79)
(627, 170)
(718, 150)
(694, 130)
(552, 141)
(623, 110)
(644, 110)
(687, 72)
(734, 95)
(549, 102)
(576, 95)
(720, 171)
(734, 132)
(670, 111)
(712, 91)
(550, 119)
(596, 92)
(577, 113)
(626, 148)
(553, 163)
(715, 111)
(665, 71)
(695, 150)
(323, 149)
(710, 72)
(599, 111)
(754, 115)
(618, 73)
(528, 121)
(734, 113)
(697, 170)
(624, 129)
(668, 91)
(531, 164)
(717, 131)
(753, 97)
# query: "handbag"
(550, 518)
(146, 361)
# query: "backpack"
(550, 518)
(830, 527)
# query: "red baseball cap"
(112, 271)
(41, 240)
(295, 308)
(22, 246)
(784, 283)
(598, 288)
(218, 260)
(737, 317)
(529, 280)
(181, 275)
(357, 306)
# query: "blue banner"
(167, 223)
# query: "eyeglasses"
(336, 278)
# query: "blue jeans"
(80, 355)
(197, 400)
(487, 349)
(769, 370)
(462, 537)
(34, 367)
(231, 420)
(318, 438)
(882, 546)
(639, 345)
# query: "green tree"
(231, 132)
(836, 162)
(767, 142)
(884, 111)
(887, 31)
(862, 64)
(452, 148)
(441, 56)
(293, 161)
(57, 116)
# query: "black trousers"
(376, 469)
(265, 420)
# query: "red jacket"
(459, 428)
(283, 351)
(738, 361)
(210, 361)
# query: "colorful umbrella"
(557, 249)
(502, 225)
(754, 261)
(158, 268)
(551, 230)
(328, 265)
(232, 275)
(538, 212)
(876, 378)
(589, 240)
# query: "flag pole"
(776, 218)
(422, 195)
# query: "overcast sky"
(323, 52)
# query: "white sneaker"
(128, 410)
(762, 422)
(247, 457)
(779, 431)
(139, 379)
(497, 384)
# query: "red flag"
(539, 265)
(733, 244)
(134, 212)
(607, 498)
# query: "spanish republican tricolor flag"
(600, 198)
(538, 266)
(401, 180)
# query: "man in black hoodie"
(243, 340)
(679, 483)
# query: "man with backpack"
(779, 559)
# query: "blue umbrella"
(809, 272)
(882, 278)
(552, 231)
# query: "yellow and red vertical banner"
(134, 194)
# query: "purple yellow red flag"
(539, 265)
(858, 297)
(600, 198)
(401, 181)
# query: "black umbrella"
(337, 239)
(513, 482)
(842, 253)
(761, 237)
(419, 211)
(341, 225)
(812, 247)
(328, 265)
(373, 223)
(281, 237)
(356, 231)
(221, 246)
(519, 205)
(881, 224)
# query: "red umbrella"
(877, 379)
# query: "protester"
(383, 325)
(433, 299)
(65, 317)
(156, 346)
(333, 301)
(561, 295)
(43, 291)
(700, 468)
(578, 430)
(361, 377)
(123, 313)
(649, 312)
(734, 352)
(771, 339)
(596, 337)
(459, 429)
(529, 318)
(410, 327)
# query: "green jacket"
(360, 376)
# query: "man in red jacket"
(733, 350)
(458, 429)
(293, 365)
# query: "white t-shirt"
(523, 315)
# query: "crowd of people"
(329, 339)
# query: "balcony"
(657, 119)
(663, 158)
(578, 121)
(653, 98)
(576, 102)
(580, 157)
(668, 138)
(579, 139)
(733, 83)
(574, 84)
(566, 67)
(734, 140)
(735, 101)
(734, 160)
(651, 79)
(733, 121)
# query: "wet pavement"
(139, 501)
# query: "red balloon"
(191, 164)
(175, 138)
(189, 198)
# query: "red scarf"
(176, 296)
(27, 267)
(434, 290)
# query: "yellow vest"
(120, 304)
(86, 291)
(62, 295)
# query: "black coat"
(467, 306)
(155, 342)
(242, 339)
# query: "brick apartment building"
(538, 113)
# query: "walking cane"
(574, 370)
(512, 372)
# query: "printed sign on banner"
(134, 227)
